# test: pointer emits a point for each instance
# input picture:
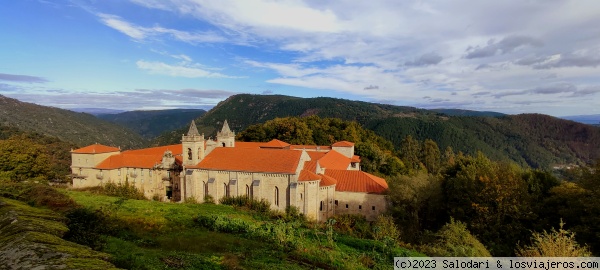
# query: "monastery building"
(321, 181)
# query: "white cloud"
(179, 70)
(409, 49)
(141, 33)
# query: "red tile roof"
(343, 144)
(248, 144)
(96, 149)
(315, 155)
(310, 166)
(334, 160)
(326, 180)
(311, 148)
(308, 176)
(142, 158)
(355, 158)
(275, 143)
(357, 181)
(251, 160)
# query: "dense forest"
(79, 128)
(499, 202)
(533, 140)
(151, 124)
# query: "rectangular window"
(359, 207)
(321, 207)
(346, 206)
(336, 202)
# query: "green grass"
(156, 235)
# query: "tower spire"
(225, 129)
(193, 129)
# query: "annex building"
(321, 181)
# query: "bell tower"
(226, 137)
(193, 146)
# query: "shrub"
(262, 206)
(353, 225)
(37, 195)
(126, 190)
(86, 227)
(555, 243)
(209, 199)
(454, 240)
(384, 227)
(190, 200)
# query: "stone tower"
(226, 137)
(193, 146)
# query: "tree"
(415, 203)
(492, 197)
(431, 156)
(555, 243)
(22, 159)
(409, 153)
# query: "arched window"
(321, 206)
(225, 190)
(189, 153)
(247, 190)
(205, 188)
(277, 196)
(223, 144)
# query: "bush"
(555, 243)
(353, 225)
(209, 199)
(86, 227)
(37, 195)
(126, 190)
(262, 206)
(454, 240)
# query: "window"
(321, 206)
(225, 190)
(353, 164)
(346, 206)
(205, 188)
(277, 196)
(359, 207)
(247, 190)
(373, 208)
(336, 202)
(300, 196)
(189, 153)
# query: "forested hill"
(150, 124)
(528, 139)
(78, 128)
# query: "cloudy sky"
(510, 56)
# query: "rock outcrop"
(30, 238)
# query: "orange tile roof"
(251, 160)
(141, 158)
(334, 160)
(96, 149)
(327, 180)
(315, 155)
(343, 144)
(311, 148)
(308, 176)
(355, 158)
(176, 149)
(310, 166)
(248, 144)
(357, 181)
(275, 143)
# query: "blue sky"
(508, 56)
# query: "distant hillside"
(592, 119)
(459, 112)
(529, 139)
(150, 124)
(96, 111)
(78, 128)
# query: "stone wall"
(368, 205)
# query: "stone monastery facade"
(321, 181)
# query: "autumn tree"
(22, 159)
(431, 156)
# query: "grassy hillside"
(528, 139)
(78, 128)
(155, 235)
(150, 124)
